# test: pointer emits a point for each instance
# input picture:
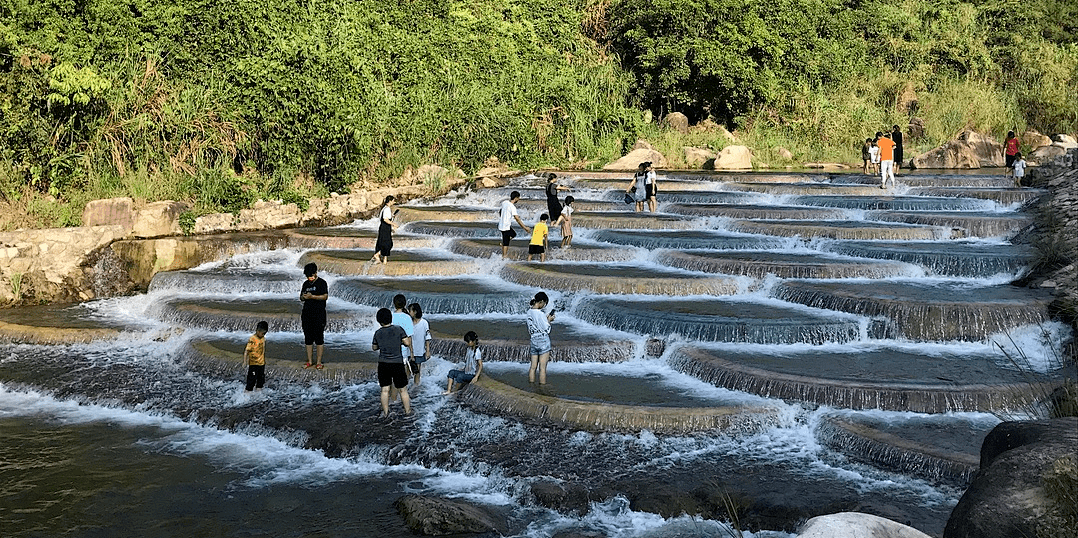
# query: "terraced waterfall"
(788, 344)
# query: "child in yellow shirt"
(538, 244)
(254, 355)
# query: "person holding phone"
(539, 328)
(384, 244)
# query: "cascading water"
(792, 397)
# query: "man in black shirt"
(314, 293)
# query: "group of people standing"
(883, 155)
(1016, 165)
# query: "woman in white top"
(384, 244)
(643, 187)
(420, 338)
(539, 327)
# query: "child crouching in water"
(254, 355)
(473, 365)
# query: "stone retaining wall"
(120, 248)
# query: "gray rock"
(1007, 496)
(856, 525)
(676, 121)
(435, 516)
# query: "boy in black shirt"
(314, 293)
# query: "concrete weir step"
(448, 295)
(720, 319)
(619, 279)
(759, 264)
(351, 237)
(897, 203)
(606, 403)
(227, 281)
(507, 339)
(970, 224)
(927, 311)
(938, 448)
(863, 377)
(694, 197)
(344, 361)
(580, 250)
(949, 258)
(401, 262)
(841, 229)
(450, 228)
(690, 239)
(631, 220)
(1002, 195)
(744, 211)
(282, 313)
(57, 324)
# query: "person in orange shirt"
(254, 356)
(887, 159)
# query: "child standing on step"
(539, 328)
(420, 339)
(473, 365)
(566, 221)
(539, 241)
(254, 356)
(1019, 170)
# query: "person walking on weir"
(643, 187)
(254, 356)
(896, 137)
(887, 159)
(506, 216)
(384, 245)
(552, 204)
(314, 293)
(392, 366)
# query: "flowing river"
(766, 348)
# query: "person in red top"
(1010, 148)
(887, 159)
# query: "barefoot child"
(566, 221)
(539, 328)
(1019, 170)
(539, 239)
(421, 339)
(254, 356)
(473, 365)
(392, 368)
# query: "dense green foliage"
(219, 103)
(95, 92)
(832, 69)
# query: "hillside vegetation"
(221, 103)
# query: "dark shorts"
(536, 249)
(649, 190)
(256, 376)
(314, 332)
(507, 236)
(1011, 159)
(392, 373)
(460, 377)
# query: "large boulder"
(916, 128)
(906, 102)
(435, 516)
(158, 219)
(269, 216)
(1064, 141)
(633, 159)
(676, 121)
(1044, 155)
(734, 158)
(109, 212)
(1007, 496)
(856, 525)
(784, 153)
(1033, 140)
(699, 158)
(969, 149)
(988, 151)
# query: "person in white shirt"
(420, 338)
(384, 244)
(505, 221)
(473, 365)
(1019, 170)
(539, 328)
